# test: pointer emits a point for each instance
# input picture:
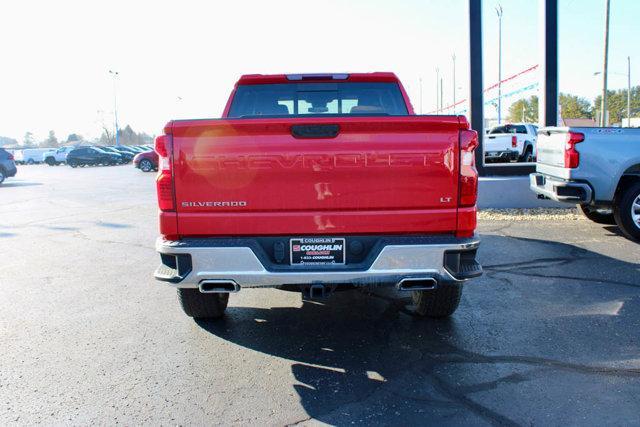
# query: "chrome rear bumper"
(187, 264)
(559, 190)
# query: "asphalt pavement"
(550, 335)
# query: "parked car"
(84, 156)
(127, 148)
(597, 168)
(54, 157)
(511, 143)
(316, 183)
(147, 161)
(126, 156)
(131, 148)
(29, 156)
(8, 167)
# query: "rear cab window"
(317, 99)
(510, 129)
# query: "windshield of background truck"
(304, 99)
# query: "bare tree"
(107, 137)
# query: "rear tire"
(202, 306)
(2, 176)
(597, 217)
(440, 302)
(527, 157)
(626, 211)
(50, 161)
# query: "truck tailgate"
(551, 146)
(345, 175)
(497, 142)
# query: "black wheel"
(72, 163)
(146, 165)
(527, 157)
(439, 302)
(50, 161)
(2, 176)
(202, 306)
(30, 162)
(599, 216)
(626, 211)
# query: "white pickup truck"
(54, 157)
(511, 143)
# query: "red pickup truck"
(317, 183)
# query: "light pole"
(441, 98)
(603, 106)
(453, 58)
(115, 74)
(420, 95)
(437, 90)
(499, 12)
(628, 91)
(628, 75)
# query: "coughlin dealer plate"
(317, 251)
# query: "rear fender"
(631, 172)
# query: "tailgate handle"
(315, 131)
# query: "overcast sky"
(181, 59)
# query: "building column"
(548, 65)
(476, 98)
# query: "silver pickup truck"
(597, 168)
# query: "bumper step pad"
(462, 264)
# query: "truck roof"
(256, 79)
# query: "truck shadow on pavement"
(527, 327)
(613, 230)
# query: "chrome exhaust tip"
(417, 284)
(218, 287)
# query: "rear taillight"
(161, 146)
(11, 156)
(164, 181)
(468, 188)
(571, 155)
(514, 141)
